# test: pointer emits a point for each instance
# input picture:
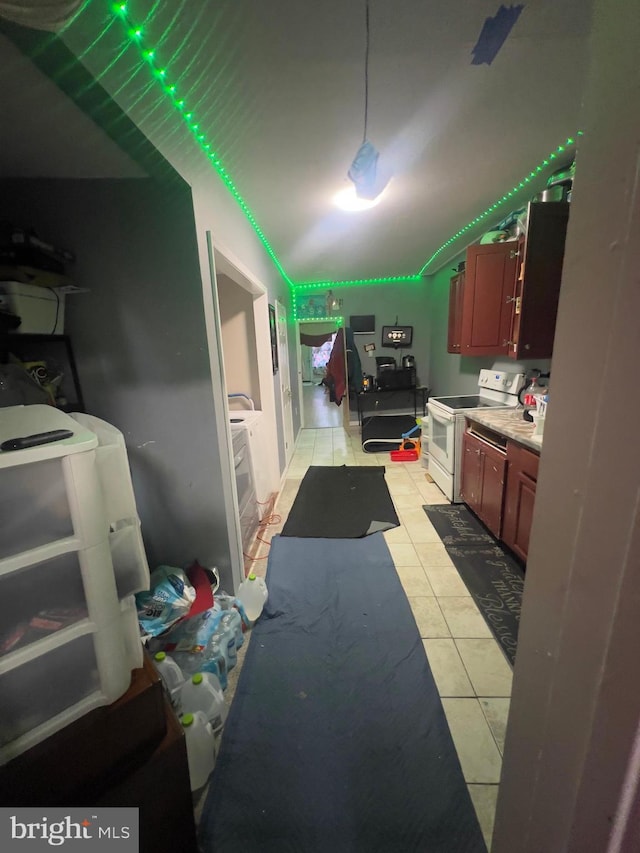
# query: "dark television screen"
(397, 336)
(362, 324)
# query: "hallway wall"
(571, 772)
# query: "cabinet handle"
(508, 343)
(514, 253)
(511, 299)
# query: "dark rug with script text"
(336, 740)
(494, 578)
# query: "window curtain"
(335, 378)
(49, 15)
(315, 340)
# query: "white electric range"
(496, 389)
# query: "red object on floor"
(202, 585)
(404, 455)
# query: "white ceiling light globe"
(347, 200)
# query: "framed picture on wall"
(274, 338)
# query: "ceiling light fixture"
(347, 199)
(368, 177)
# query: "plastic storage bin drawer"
(45, 598)
(34, 507)
(129, 559)
(113, 468)
(131, 633)
(60, 589)
(49, 500)
(40, 695)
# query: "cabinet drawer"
(58, 588)
(53, 499)
(45, 598)
(43, 694)
(523, 460)
(33, 507)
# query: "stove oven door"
(442, 437)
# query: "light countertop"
(508, 422)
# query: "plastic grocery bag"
(168, 600)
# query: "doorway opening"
(248, 396)
(315, 343)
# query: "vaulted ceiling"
(277, 91)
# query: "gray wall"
(408, 302)
(140, 345)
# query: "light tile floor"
(470, 671)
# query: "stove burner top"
(468, 402)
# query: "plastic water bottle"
(233, 618)
(225, 636)
(214, 660)
(171, 675)
(253, 594)
(201, 748)
(529, 398)
(203, 693)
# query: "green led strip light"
(339, 321)
(491, 210)
(161, 73)
(136, 36)
(355, 282)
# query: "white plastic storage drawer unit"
(44, 689)
(125, 538)
(67, 641)
(51, 491)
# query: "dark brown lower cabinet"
(483, 474)
(519, 498)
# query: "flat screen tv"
(397, 336)
(362, 324)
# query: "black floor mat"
(383, 433)
(341, 502)
(336, 740)
(494, 578)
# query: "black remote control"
(36, 439)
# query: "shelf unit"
(70, 638)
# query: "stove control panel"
(500, 380)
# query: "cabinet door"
(520, 495)
(456, 295)
(493, 468)
(471, 479)
(489, 291)
(538, 281)
(456, 291)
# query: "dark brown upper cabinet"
(537, 286)
(511, 290)
(488, 293)
(456, 294)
